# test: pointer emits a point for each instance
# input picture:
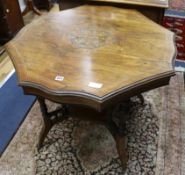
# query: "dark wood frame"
(11, 20)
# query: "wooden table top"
(151, 3)
(91, 55)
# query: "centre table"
(91, 59)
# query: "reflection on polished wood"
(120, 49)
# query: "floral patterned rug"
(84, 148)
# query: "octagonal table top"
(92, 55)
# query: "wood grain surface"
(153, 3)
(118, 49)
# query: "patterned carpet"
(156, 141)
(84, 148)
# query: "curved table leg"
(118, 130)
(48, 120)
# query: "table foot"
(50, 118)
(121, 145)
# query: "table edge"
(96, 102)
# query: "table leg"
(58, 115)
(117, 126)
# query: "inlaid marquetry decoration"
(90, 37)
(92, 55)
